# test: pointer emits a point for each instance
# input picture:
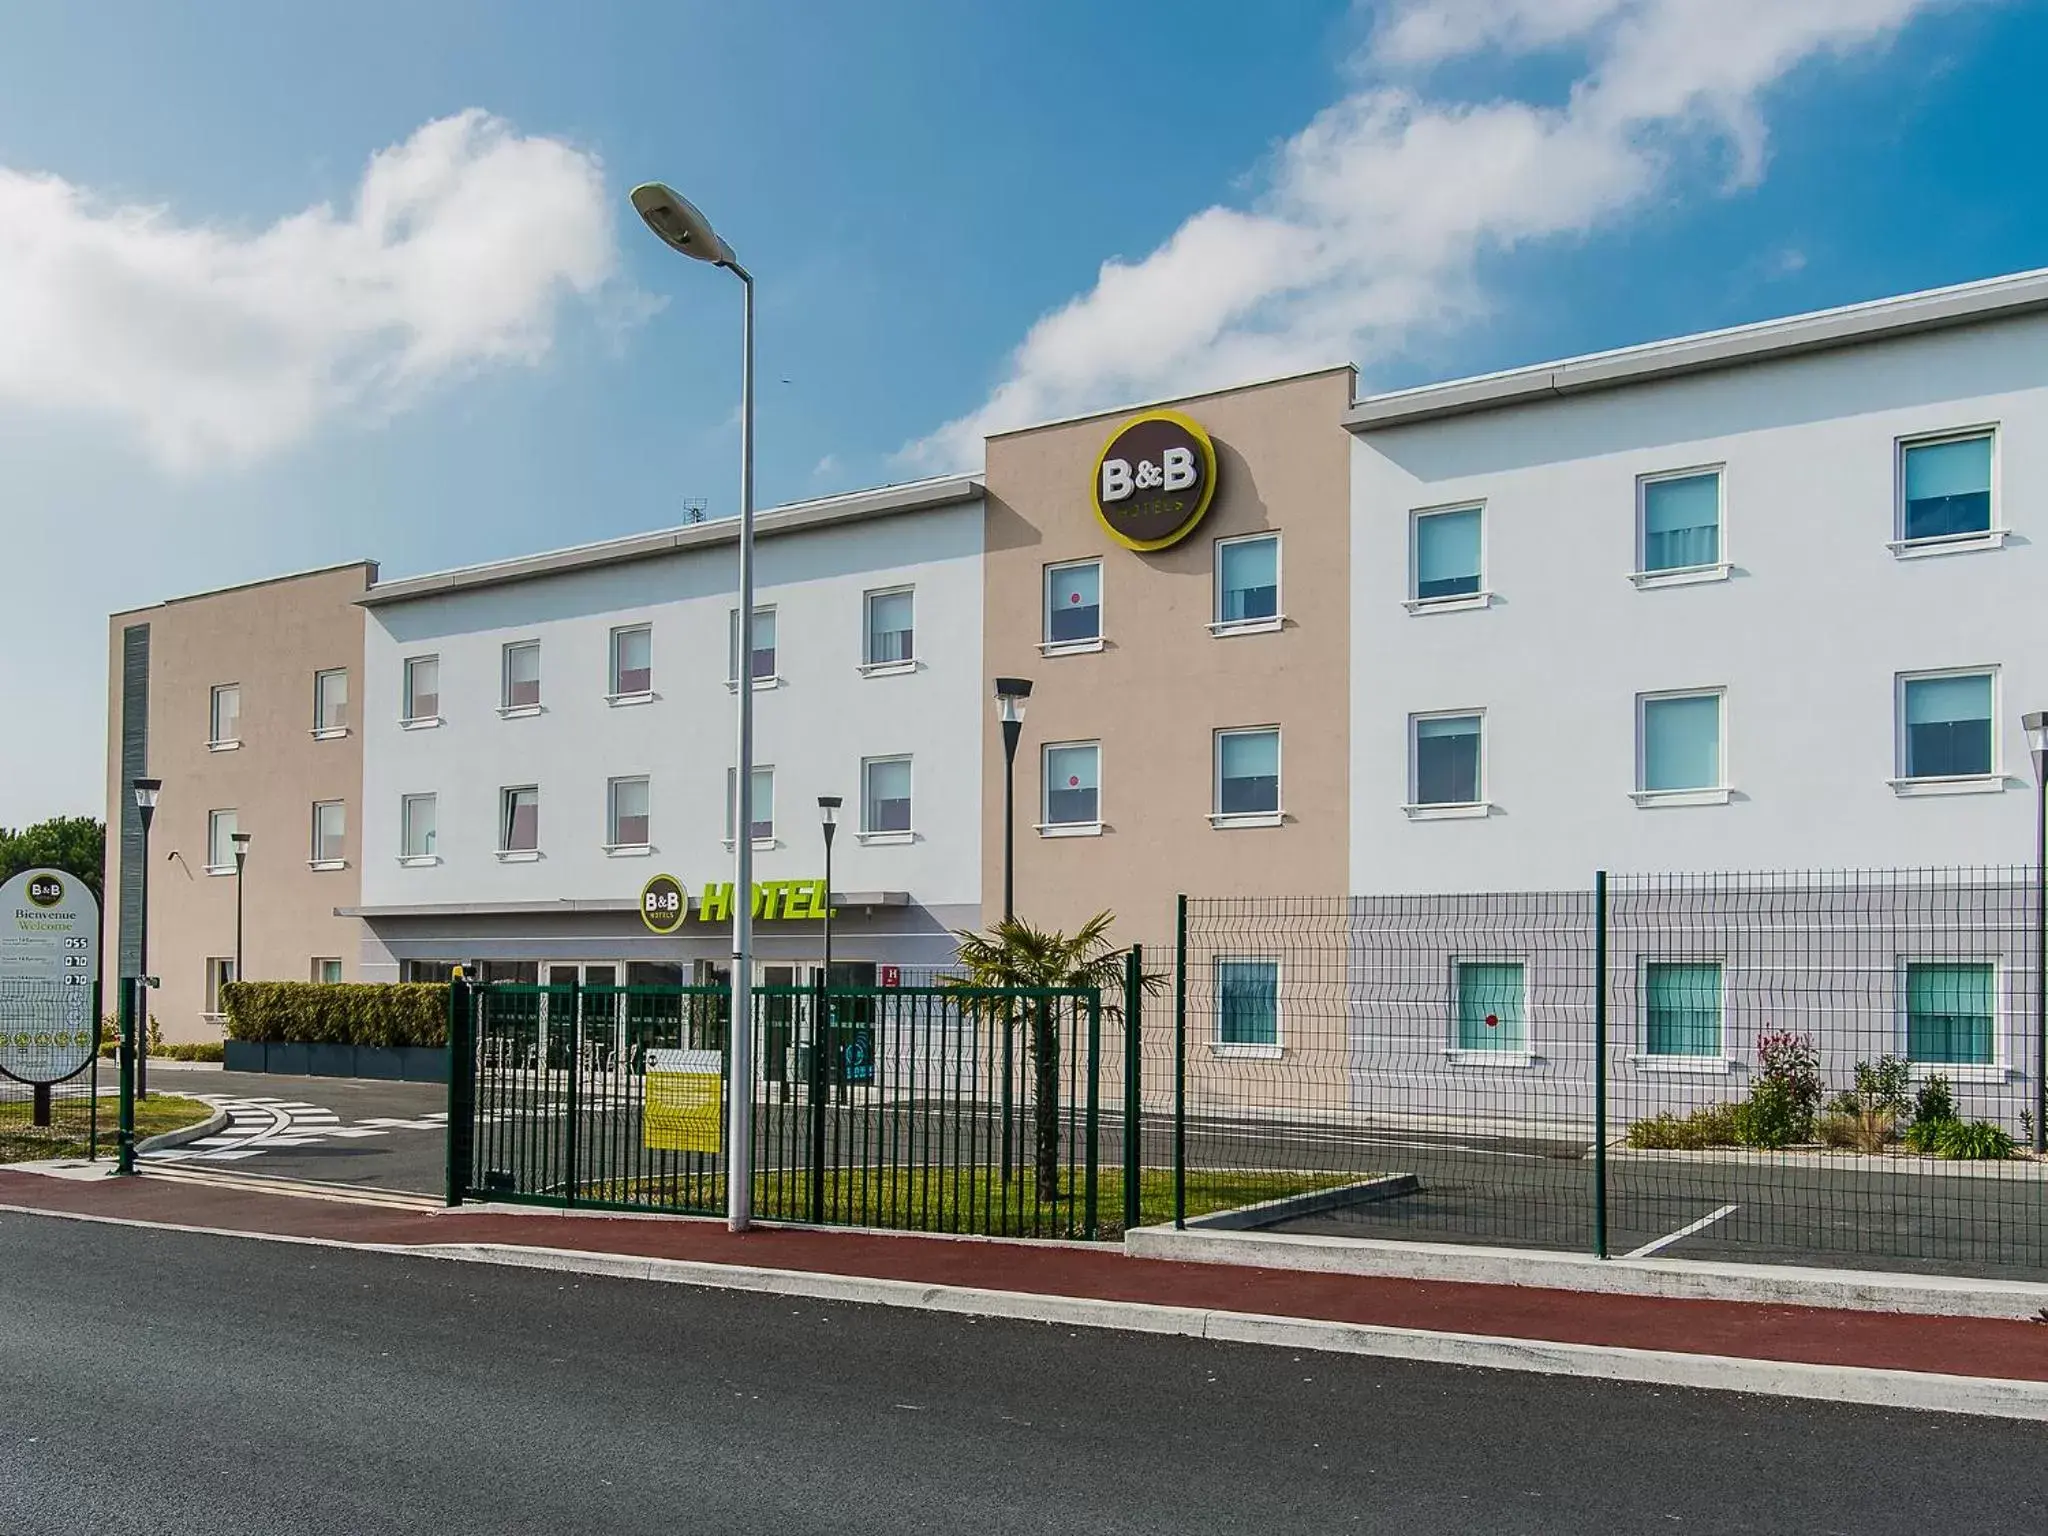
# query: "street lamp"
(2036, 725)
(682, 228)
(146, 791)
(1011, 692)
(828, 809)
(241, 842)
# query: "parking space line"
(1681, 1234)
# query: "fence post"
(821, 1040)
(92, 1145)
(575, 1055)
(1092, 1115)
(1134, 1104)
(461, 1086)
(1600, 1064)
(1180, 1063)
(125, 1142)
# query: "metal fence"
(1792, 1067)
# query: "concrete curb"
(170, 1139)
(1686, 1279)
(1244, 1218)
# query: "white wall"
(814, 728)
(1806, 636)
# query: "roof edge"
(1167, 400)
(250, 586)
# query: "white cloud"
(219, 345)
(1372, 219)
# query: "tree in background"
(75, 844)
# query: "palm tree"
(1014, 954)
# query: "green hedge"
(337, 1012)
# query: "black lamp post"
(828, 809)
(824, 1037)
(1011, 692)
(2037, 743)
(146, 791)
(241, 842)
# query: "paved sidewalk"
(1986, 1349)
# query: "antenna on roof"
(693, 510)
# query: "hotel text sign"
(664, 902)
(1154, 479)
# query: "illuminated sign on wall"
(1154, 479)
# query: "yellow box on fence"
(683, 1101)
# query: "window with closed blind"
(1445, 560)
(1945, 488)
(1945, 726)
(1073, 606)
(1680, 524)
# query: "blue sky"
(960, 217)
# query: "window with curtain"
(522, 675)
(1948, 726)
(519, 820)
(225, 723)
(628, 813)
(330, 827)
(763, 807)
(633, 660)
(416, 820)
(220, 839)
(327, 971)
(1948, 488)
(1073, 603)
(891, 632)
(330, 700)
(885, 795)
(1681, 742)
(1951, 1013)
(1447, 760)
(1491, 1008)
(1248, 1002)
(1682, 1008)
(1682, 522)
(1248, 579)
(422, 687)
(1247, 773)
(1447, 553)
(762, 650)
(1072, 788)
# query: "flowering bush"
(1786, 1091)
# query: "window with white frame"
(1945, 725)
(885, 795)
(1679, 742)
(326, 971)
(891, 632)
(1952, 1013)
(416, 814)
(762, 811)
(330, 702)
(761, 648)
(220, 842)
(1446, 556)
(220, 970)
(1681, 521)
(1945, 487)
(522, 675)
(519, 819)
(1247, 581)
(1492, 1006)
(632, 669)
(330, 828)
(1072, 779)
(1073, 604)
(423, 688)
(1248, 773)
(224, 720)
(1247, 1002)
(1682, 1008)
(1446, 753)
(626, 813)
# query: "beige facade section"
(270, 641)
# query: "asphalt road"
(170, 1383)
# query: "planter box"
(246, 1056)
(288, 1059)
(397, 1063)
(422, 1063)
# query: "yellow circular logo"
(1154, 479)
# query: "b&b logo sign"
(1154, 480)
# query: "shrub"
(1935, 1102)
(1836, 1128)
(1787, 1089)
(1712, 1125)
(337, 1012)
(1971, 1139)
(1844, 1104)
(1773, 1116)
(194, 1050)
(1884, 1084)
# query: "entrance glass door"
(587, 1030)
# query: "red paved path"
(1818, 1335)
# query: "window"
(1681, 1008)
(522, 676)
(762, 649)
(1491, 1015)
(416, 827)
(632, 661)
(626, 818)
(1951, 1013)
(225, 721)
(1681, 522)
(763, 808)
(1446, 555)
(1248, 1005)
(330, 703)
(220, 970)
(1946, 730)
(1680, 744)
(327, 971)
(519, 820)
(1073, 605)
(885, 795)
(1247, 776)
(432, 971)
(1945, 488)
(1248, 582)
(891, 634)
(1446, 769)
(423, 688)
(220, 842)
(1072, 785)
(330, 826)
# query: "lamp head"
(828, 807)
(679, 223)
(1011, 692)
(146, 791)
(2036, 725)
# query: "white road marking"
(259, 1125)
(1681, 1234)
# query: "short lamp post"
(2037, 744)
(1011, 692)
(241, 842)
(146, 791)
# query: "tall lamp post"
(682, 228)
(146, 791)
(828, 810)
(2037, 743)
(1011, 692)
(241, 842)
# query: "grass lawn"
(975, 1199)
(67, 1136)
